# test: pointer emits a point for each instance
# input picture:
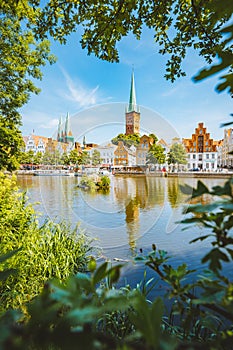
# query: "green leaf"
(114, 273)
(100, 273)
(214, 258)
(186, 189)
(8, 255)
(6, 273)
(84, 315)
(202, 238)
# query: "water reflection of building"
(174, 194)
(135, 194)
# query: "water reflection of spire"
(136, 194)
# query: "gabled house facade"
(143, 149)
(124, 156)
(201, 150)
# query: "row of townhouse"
(203, 152)
(46, 144)
(121, 155)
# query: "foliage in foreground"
(46, 251)
(89, 312)
(177, 26)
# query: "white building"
(202, 150)
(226, 159)
(106, 153)
(203, 161)
(35, 143)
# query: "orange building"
(124, 155)
(202, 150)
(143, 149)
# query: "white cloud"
(78, 93)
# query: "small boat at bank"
(52, 172)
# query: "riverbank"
(198, 174)
(217, 175)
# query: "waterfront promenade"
(186, 174)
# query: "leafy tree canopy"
(74, 156)
(84, 158)
(156, 155)
(154, 137)
(128, 140)
(177, 154)
(11, 143)
(177, 25)
(21, 59)
(96, 160)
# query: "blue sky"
(95, 94)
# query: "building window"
(207, 165)
(200, 144)
(194, 143)
(194, 156)
(213, 156)
(207, 156)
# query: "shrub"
(103, 183)
(50, 250)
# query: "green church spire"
(132, 107)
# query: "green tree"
(21, 59)
(65, 159)
(37, 159)
(154, 137)
(27, 157)
(74, 156)
(95, 159)
(11, 144)
(128, 140)
(177, 26)
(156, 155)
(177, 154)
(85, 158)
(51, 158)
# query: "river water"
(136, 212)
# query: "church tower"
(68, 134)
(59, 131)
(65, 135)
(132, 115)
